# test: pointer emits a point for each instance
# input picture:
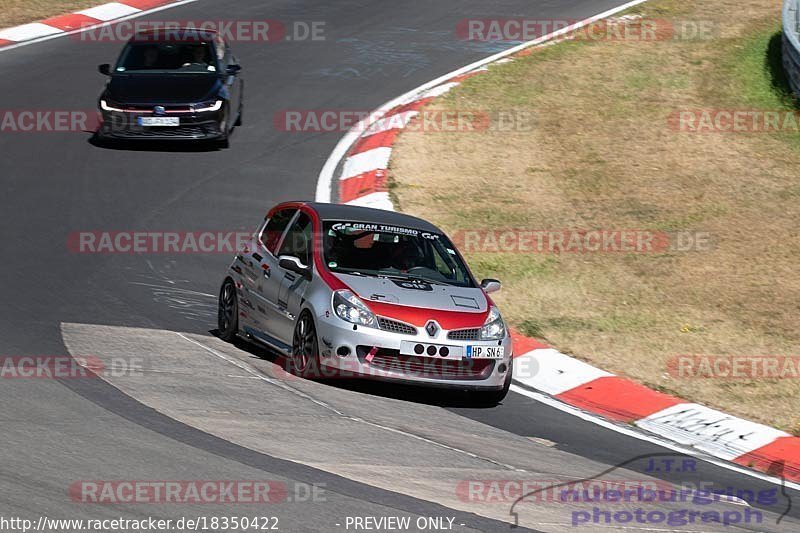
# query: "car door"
(260, 270)
(291, 292)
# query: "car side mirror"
(104, 69)
(233, 69)
(490, 285)
(293, 264)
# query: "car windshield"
(398, 252)
(191, 57)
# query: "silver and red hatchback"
(350, 291)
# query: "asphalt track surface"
(58, 432)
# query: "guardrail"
(791, 43)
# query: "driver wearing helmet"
(404, 255)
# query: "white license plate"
(485, 352)
(159, 121)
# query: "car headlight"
(209, 106)
(493, 328)
(107, 105)
(349, 307)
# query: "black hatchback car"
(179, 84)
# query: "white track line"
(254, 372)
(561, 406)
(99, 25)
(323, 194)
(325, 179)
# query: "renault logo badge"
(432, 328)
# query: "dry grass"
(601, 156)
(14, 12)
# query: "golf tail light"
(349, 307)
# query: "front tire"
(305, 348)
(224, 140)
(241, 104)
(228, 311)
(494, 397)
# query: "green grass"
(602, 156)
(513, 266)
(756, 72)
(759, 80)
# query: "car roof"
(353, 213)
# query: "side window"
(443, 268)
(443, 261)
(298, 240)
(274, 228)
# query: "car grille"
(471, 334)
(394, 326)
(181, 131)
(428, 367)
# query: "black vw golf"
(172, 84)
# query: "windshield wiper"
(398, 277)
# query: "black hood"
(163, 88)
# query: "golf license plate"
(485, 352)
(159, 121)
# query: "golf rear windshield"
(374, 249)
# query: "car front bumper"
(384, 355)
(193, 126)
